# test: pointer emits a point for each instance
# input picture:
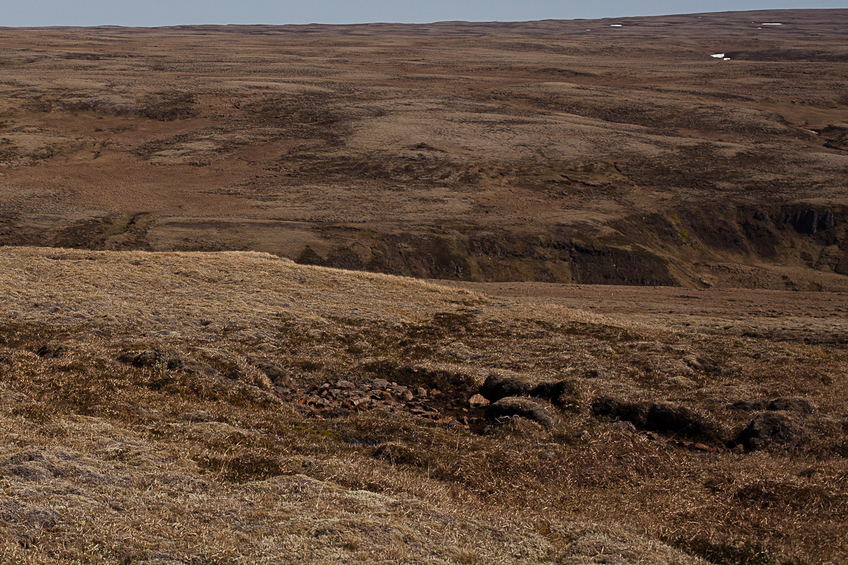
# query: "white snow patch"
(771, 24)
(615, 25)
(718, 56)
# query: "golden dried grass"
(206, 460)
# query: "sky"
(150, 13)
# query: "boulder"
(565, 395)
(620, 410)
(478, 401)
(771, 429)
(677, 420)
(519, 406)
(791, 405)
(497, 387)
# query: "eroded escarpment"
(787, 246)
(674, 248)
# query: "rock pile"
(344, 397)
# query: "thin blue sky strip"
(151, 13)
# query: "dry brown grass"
(194, 454)
(487, 152)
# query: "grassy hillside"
(585, 151)
(240, 408)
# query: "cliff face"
(658, 249)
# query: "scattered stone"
(771, 429)
(478, 401)
(421, 391)
(345, 396)
(518, 406)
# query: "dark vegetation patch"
(242, 468)
(772, 430)
(666, 418)
(783, 55)
(108, 232)
(724, 553)
(167, 106)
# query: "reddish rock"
(478, 401)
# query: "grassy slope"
(143, 422)
(480, 152)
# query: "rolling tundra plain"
(538, 292)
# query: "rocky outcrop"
(772, 430)
(810, 220)
(661, 417)
(564, 394)
(513, 406)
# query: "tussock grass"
(150, 412)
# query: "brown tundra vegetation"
(544, 292)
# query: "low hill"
(695, 150)
(237, 407)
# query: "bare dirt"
(597, 152)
